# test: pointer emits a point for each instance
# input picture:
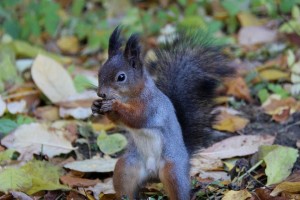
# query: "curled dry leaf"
(262, 35)
(78, 182)
(201, 163)
(230, 122)
(237, 195)
(291, 187)
(280, 109)
(237, 146)
(52, 79)
(35, 138)
(238, 88)
(2, 106)
(105, 187)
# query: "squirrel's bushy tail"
(188, 70)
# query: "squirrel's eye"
(121, 77)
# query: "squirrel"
(165, 105)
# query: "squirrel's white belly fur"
(149, 145)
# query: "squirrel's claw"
(101, 106)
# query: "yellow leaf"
(237, 195)
(291, 187)
(103, 127)
(248, 19)
(273, 74)
(230, 123)
(68, 44)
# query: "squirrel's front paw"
(102, 106)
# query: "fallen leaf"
(279, 161)
(105, 187)
(77, 113)
(273, 74)
(78, 182)
(7, 125)
(229, 122)
(20, 195)
(6, 155)
(215, 175)
(200, 163)
(237, 146)
(262, 35)
(292, 187)
(238, 88)
(93, 165)
(237, 195)
(248, 19)
(17, 107)
(110, 144)
(68, 44)
(44, 175)
(2, 106)
(52, 79)
(14, 179)
(47, 113)
(43, 139)
(280, 109)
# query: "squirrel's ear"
(115, 42)
(132, 51)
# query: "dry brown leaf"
(78, 182)
(215, 175)
(105, 187)
(237, 146)
(77, 113)
(237, 195)
(68, 44)
(280, 109)
(252, 35)
(47, 113)
(238, 88)
(93, 165)
(200, 163)
(34, 138)
(229, 122)
(264, 194)
(52, 79)
(290, 187)
(273, 74)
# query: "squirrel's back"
(188, 70)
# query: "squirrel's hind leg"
(175, 179)
(129, 175)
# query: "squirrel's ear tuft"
(115, 42)
(132, 51)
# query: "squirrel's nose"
(102, 95)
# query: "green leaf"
(45, 176)
(6, 155)
(263, 95)
(81, 83)
(12, 27)
(77, 7)
(286, 6)
(14, 179)
(7, 125)
(7, 64)
(182, 2)
(279, 161)
(111, 144)
(277, 89)
(22, 119)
